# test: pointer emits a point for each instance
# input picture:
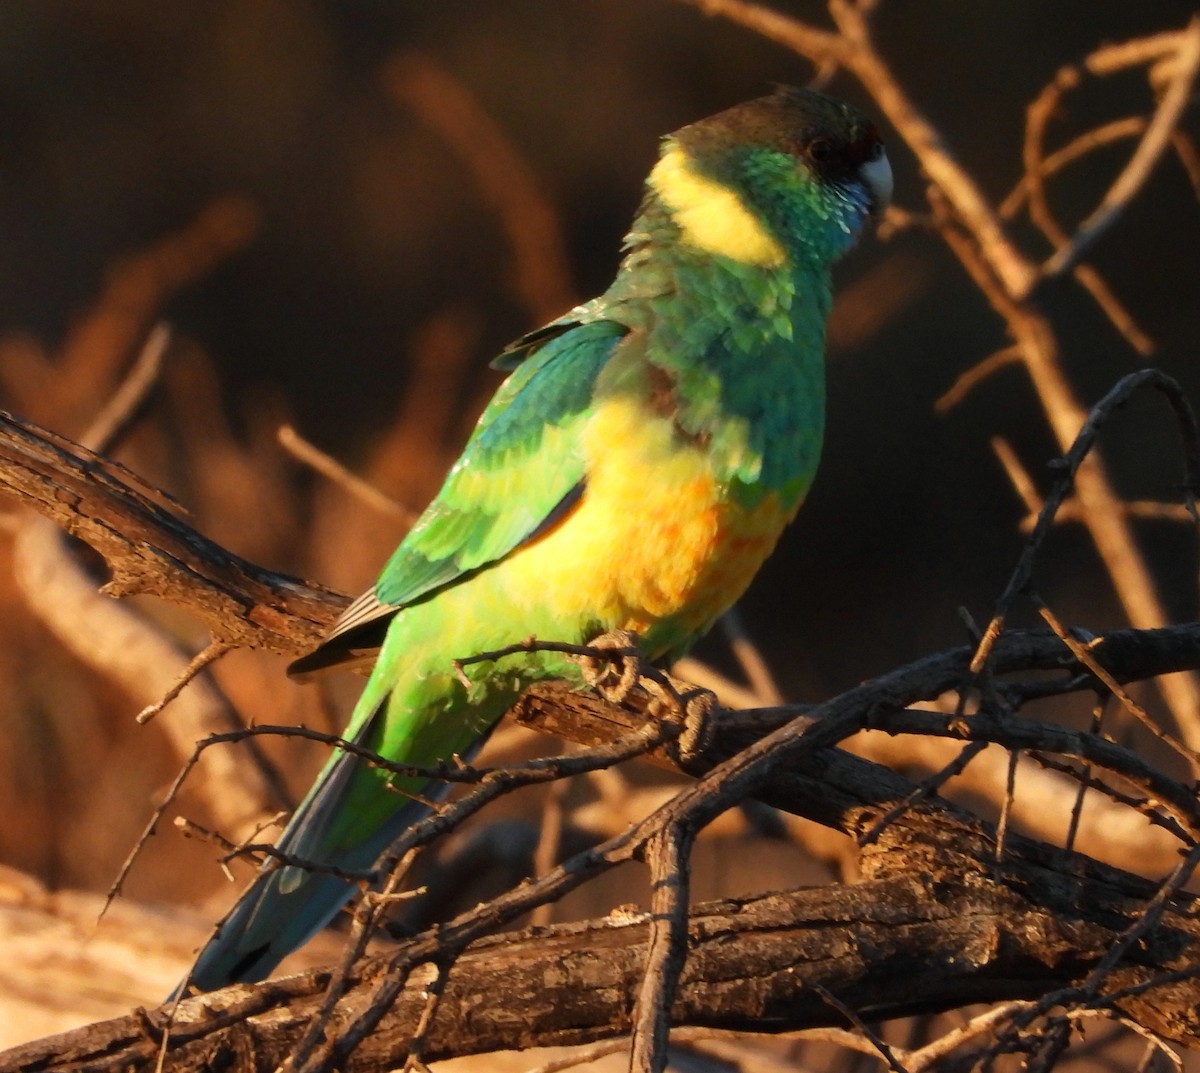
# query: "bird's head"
(795, 175)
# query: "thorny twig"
(925, 789)
(493, 781)
(1087, 994)
(1140, 803)
(882, 1049)
(1080, 651)
(367, 919)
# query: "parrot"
(632, 473)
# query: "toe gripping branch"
(614, 666)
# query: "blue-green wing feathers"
(521, 471)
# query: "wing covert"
(521, 471)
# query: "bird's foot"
(613, 666)
(694, 710)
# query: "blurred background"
(344, 210)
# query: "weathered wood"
(935, 924)
(148, 549)
(936, 921)
(916, 941)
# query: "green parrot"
(632, 473)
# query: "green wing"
(520, 472)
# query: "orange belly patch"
(654, 537)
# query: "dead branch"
(141, 659)
(950, 909)
(150, 550)
(1008, 277)
(137, 654)
(1155, 141)
(540, 269)
(792, 767)
(943, 921)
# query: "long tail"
(287, 905)
(278, 914)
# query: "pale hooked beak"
(877, 174)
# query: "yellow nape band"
(711, 216)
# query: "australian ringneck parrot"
(633, 472)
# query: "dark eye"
(875, 152)
(820, 151)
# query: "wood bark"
(148, 549)
(940, 917)
(936, 922)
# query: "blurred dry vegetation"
(344, 210)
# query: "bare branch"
(542, 278)
(667, 854)
(917, 890)
(825, 49)
(1155, 141)
(150, 550)
(331, 469)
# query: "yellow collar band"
(711, 217)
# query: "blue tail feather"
(279, 914)
(288, 904)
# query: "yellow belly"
(653, 537)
